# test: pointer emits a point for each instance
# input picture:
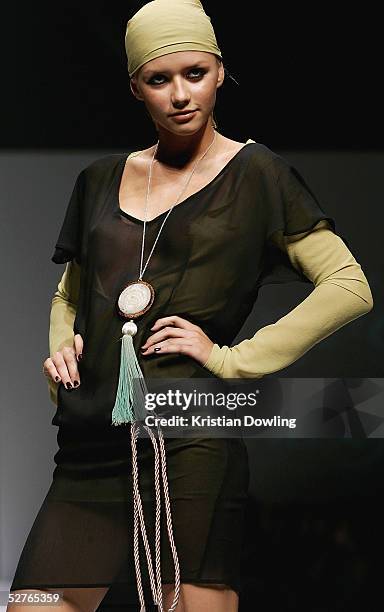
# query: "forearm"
(62, 316)
(341, 295)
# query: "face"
(182, 81)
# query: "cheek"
(205, 90)
(158, 103)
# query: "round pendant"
(135, 299)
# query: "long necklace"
(135, 299)
(137, 296)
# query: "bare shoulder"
(231, 145)
(229, 148)
(137, 163)
(226, 148)
(224, 145)
(141, 155)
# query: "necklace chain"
(142, 270)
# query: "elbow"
(356, 283)
(365, 307)
(368, 305)
(368, 299)
(366, 302)
(361, 287)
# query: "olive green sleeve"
(62, 316)
(341, 294)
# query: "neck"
(178, 150)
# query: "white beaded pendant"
(129, 328)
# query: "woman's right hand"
(62, 365)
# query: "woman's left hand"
(174, 334)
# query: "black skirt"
(82, 535)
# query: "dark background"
(309, 75)
(308, 82)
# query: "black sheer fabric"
(214, 253)
(82, 535)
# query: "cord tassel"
(138, 515)
(131, 389)
(130, 408)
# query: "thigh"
(85, 599)
(205, 597)
(75, 545)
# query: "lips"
(183, 113)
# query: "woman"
(224, 218)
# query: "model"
(166, 249)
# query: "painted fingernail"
(57, 378)
(80, 356)
(75, 383)
(69, 385)
(158, 348)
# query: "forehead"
(173, 62)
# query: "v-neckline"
(183, 202)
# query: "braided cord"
(160, 458)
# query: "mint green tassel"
(130, 397)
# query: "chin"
(190, 127)
(183, 128)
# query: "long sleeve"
(62, 315)
(341, 294)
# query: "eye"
(153, 81)
(200, 71)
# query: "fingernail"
(80, 356)
(158, 348)
(75, 383)
(68, 385)
(57, 378)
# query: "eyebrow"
(199, 64)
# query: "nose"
(180, 96)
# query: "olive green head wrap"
(167, 26)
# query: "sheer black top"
(214, 253)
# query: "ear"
(220, 75)
(135, 89)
